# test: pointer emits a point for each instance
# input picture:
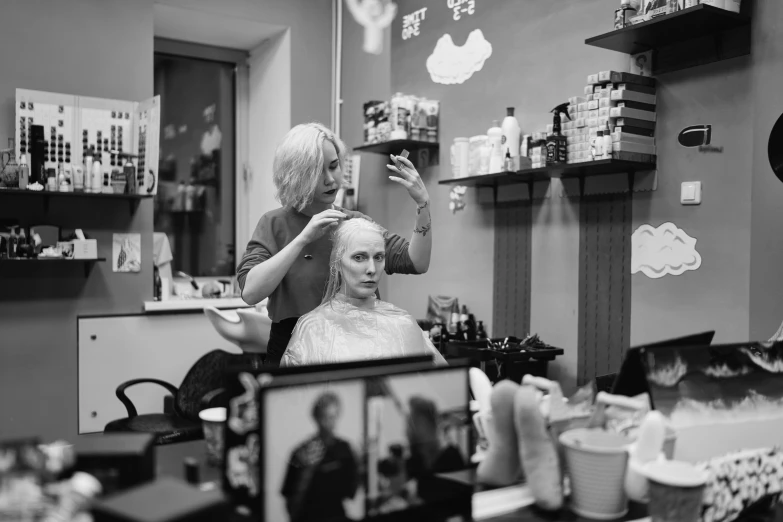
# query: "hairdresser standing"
(287, 259)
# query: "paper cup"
(596, 461)
(213, 421)
(676, 491)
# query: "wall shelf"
(40, 262)
(45, 195)
(694, 36)
(396, 146)
(569, 171)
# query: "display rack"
(694, 36)
(568, 171)
(87, 263)
(45, 195)
(397, 146)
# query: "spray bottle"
(556, 143)
(129, 171)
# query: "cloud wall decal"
(661, 251)
(450, 64)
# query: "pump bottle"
(510, 139)
(495, 135)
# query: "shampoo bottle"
(607, 145)
(495, 134)
(599, 145)
(87, 183)
(510, 139)
(96, 176)
(24, 172)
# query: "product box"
(119, 460)
(592, 114)
(625, 112)
(624, 146)
(636, 105)
(597, 89)
(592, 79)
(634, 156)
(592, 122)
(592, 132)
(636, 131)
(606, 102)
(576, 100)
(632, 122)
(85, 248)
(618, 77)
(605, 76)
(629, 137)
(605, 120)
(588, 89)
(632, 96)
(592, 105)
(603, 112)
(566, 125)
(583, 107)
(636, 88)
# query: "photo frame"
(257, 469)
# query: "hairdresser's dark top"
(302, 288)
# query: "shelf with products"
(563, 171)
(7, 263)
(397, 146)
(693, 36)
(46, 195)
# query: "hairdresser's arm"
(259, 281)
(420, 249)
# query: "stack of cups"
(596, 461)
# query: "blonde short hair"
(299, 163)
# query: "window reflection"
(194, 207)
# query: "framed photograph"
(364, 442)
(312, 446)
(418, 428)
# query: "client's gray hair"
(340, 237)
(299, 163)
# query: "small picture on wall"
(126, 253)
(641, 64)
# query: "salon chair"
(248, 328)
(201, 388)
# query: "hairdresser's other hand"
(320, 224)
(408, 177)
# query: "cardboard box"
(624, 146)
(85, 248)
(625, 112)
(632, 96)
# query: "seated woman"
(352, 323)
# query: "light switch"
(690, 193)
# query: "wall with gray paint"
(365, 77)
(539, 60)
(766, 248)
(714, 297)
(89, 48)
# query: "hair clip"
(308, 256)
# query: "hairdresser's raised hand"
(320, 224)
(408, 177)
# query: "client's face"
(362, 264)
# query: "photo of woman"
(317, 475)
(416, 430)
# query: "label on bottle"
(551, 151)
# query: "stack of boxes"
(622, 103)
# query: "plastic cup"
(596, 461)
(213, 421)
(676, 491)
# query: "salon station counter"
(162, 342)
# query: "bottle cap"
(85, 484)
(510, 111)
(495, 123)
